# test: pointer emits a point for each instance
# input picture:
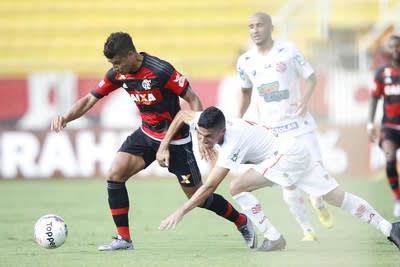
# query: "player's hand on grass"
(171, 221)
(162, 156)
(58, 124)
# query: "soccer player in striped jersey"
(278, 159)
(155, 86)
(270, 75)
(387, 86)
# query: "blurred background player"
(277, 160)
(387, 85)
(270, 76)
(155, 87)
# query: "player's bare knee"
(235, 187)
(115, 176)
(335, 197)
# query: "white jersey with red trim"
(281, 159)
(275, 80)
(245, 142)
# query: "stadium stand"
(201, 37)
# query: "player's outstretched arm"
(181, 118)
(216, 176)
(77, 110)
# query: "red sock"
(241, 220)
(123, 231)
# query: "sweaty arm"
(245, 101)
(215, 177)
(76, 111)
(193, 100)
(309, 89)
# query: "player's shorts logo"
(185, 178)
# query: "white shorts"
(292, 164)
(310, 142)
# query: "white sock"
(363, 210)
(317, 202)
(294, 199)
(252, 208)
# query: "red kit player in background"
(387, 84)
(155, 87)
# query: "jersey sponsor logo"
(146, 84)
(185, 178)
(393, 89)
(124, 86)
(280, 66)
(146, 98)
(180, 79)
(270, 92)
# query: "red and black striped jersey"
(155, 88)
(387, 84)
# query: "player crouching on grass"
(279, 160)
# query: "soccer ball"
(50, 231)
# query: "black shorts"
(390, 134)
(182, 162)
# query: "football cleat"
(394, 236)
(248, 233)
(325, 216)
(396, 209)
(116, 244)
(271, 245)
(309, 236)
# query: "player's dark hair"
(212, 118)
(118, 44)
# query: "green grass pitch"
(201, 239)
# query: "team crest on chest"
(146, 84)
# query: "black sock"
(118, 201)
(223, 208)
(393, 178)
